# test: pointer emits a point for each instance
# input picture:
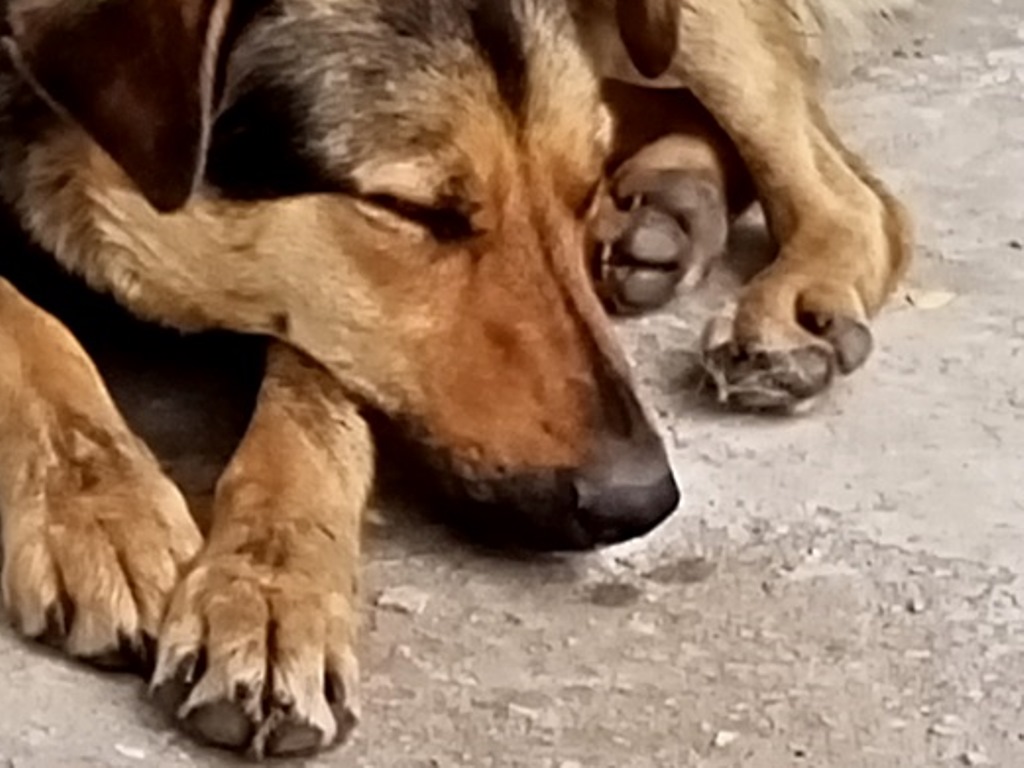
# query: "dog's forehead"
(492, 29)
(348, 82)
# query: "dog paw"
(92, 556)
(661, 229)
(784, 348)
(258, 658)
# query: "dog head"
(420, 174)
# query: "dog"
(428, 206)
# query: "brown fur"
(493, 347)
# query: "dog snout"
(623, 489)
(615, 484)
(623, 492)
(626, 486)
(627, 492)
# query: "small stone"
(826, 721)
(407, 600)
(799, 751)
(133, 753)
(930, 300)
(975, 758)
(688, 570)
(640, 626)
(403, 652)
(724, 739)
(613, 595)
(916, 605)
(948, 727)
(525, 713)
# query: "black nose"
(626, 493)
(623, 489)
(623, 496)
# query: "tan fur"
(376, 302)
(89, 519)
(844, 239)
(272, 598)
(401, 321)
(333, 279)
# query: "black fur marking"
(492, 29)
(260, 148)
(416, 20)
(243, 13)
(499, 36)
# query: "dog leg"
(844, 240)
(94, 534)
(257, 650)
(676, 182)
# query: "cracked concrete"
(840, 590)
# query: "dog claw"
(852, 342)
(652, 239)
(292, 739)
(264, 688)
(637, 290)
(222, 724)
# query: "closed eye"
(446, 222)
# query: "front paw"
(92, 554)
(256, 654)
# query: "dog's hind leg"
(94, 534)
(844, 240)
(257, 649)
(675, 183)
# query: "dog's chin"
(535, 511)
(542, 510)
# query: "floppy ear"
(650, 32)
(137, 75)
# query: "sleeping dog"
(427, 206)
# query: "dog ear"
(650, 32)
(137, 75)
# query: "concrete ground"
(840, 590)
